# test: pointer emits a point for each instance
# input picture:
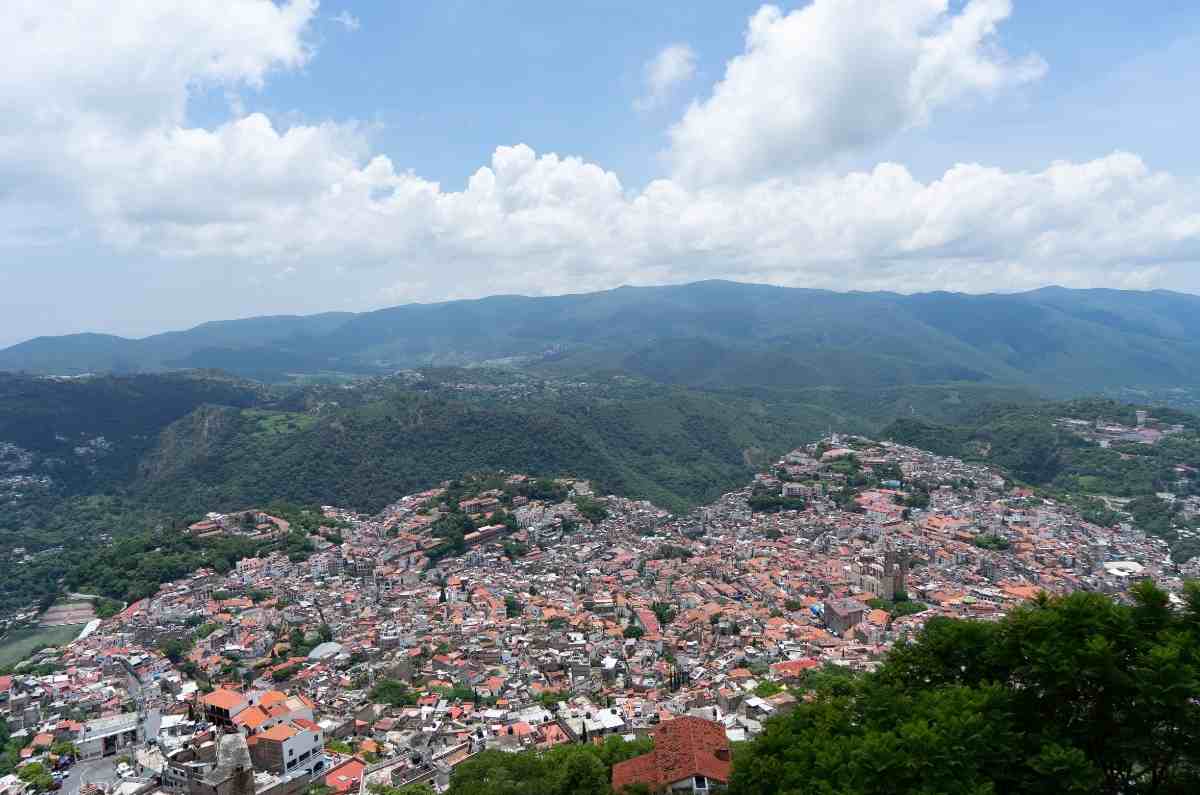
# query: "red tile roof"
(346, 776)
(683, 748)
(223, 698)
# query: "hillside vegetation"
(673, 446)
(708, 335)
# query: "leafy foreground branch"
(1071, 694)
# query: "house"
(793, 670)
(690, 755)
(12, 785)
(287, 747)
(233, 773)
(222, 705)
(346, 776)
(108, 735)
(842, 614)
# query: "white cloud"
(837, 76)
(110, 134)
(534, 223)
(347, 20)
(91, 90)
(672, 66)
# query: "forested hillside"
(675, 446)
(708, 334)
(672, 446)
(64, 438)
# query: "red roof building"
(690, 754)
(345, 777)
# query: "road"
(92, 771)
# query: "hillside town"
(505, 612)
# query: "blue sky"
(321, 157)
(448, 82)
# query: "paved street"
(95, 771)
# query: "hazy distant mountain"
(708, 334)
(81, 353)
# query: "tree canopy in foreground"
(1067, 694)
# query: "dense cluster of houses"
(376, 661)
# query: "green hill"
(708, 334)
(676, 446)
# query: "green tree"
(286, 673)
(550, 698)
(175, 649)
(411, 789)
(664, 612)
(591, 509)
(563, 770)
(990, 541)
(1067, 694)
(767, 688)
(65, 749)
(36, 776)
(393, 692)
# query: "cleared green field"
(19, 644)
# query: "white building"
(106, 736)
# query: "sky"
(171, 162)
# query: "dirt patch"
(67, 614)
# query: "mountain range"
(711, 334)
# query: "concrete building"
(107, 736)
(289, 747)
(222, 705)
(843, 614)
(232, 775)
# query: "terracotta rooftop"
(279, 732)
(223, 698)
(683, 748)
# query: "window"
(701, 782)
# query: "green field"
(280, 423)
(21, 643)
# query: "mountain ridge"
(706, 334)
